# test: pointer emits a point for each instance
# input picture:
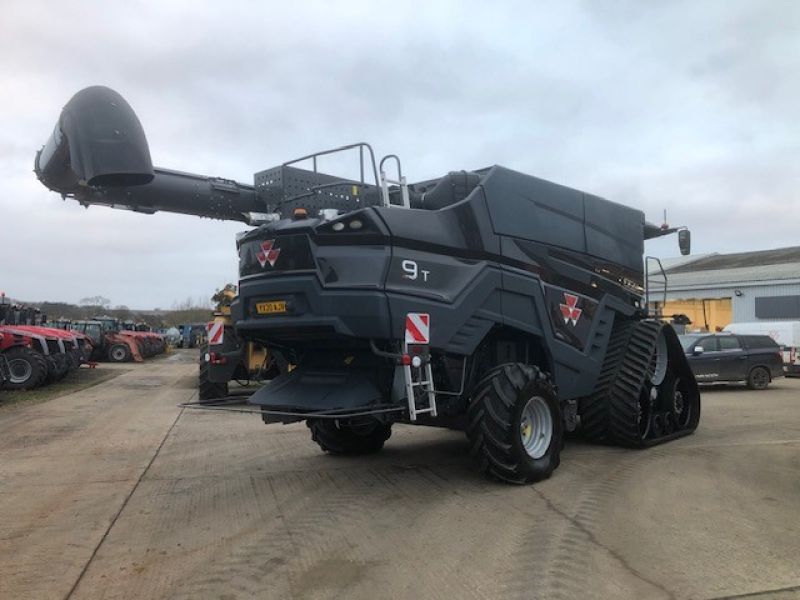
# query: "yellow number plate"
(271, 308)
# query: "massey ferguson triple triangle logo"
(570, 310)
(268, 254)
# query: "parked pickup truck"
(727, 358)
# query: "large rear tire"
(515, 425)
(28, 368)
(339, 437)
(119, 353)
(208, 391)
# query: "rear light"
(411, 361)
(216, 359)
(360, 223)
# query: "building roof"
(741, 268)
(676, 261)
(716, 262)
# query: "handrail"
(359, 145)
(647, 280)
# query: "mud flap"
(313, 391)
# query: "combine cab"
(488, 300)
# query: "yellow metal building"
(708, 314)
(715, 290)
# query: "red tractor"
(5, 372)
(60, 351)
(107, 343)
(24, 354)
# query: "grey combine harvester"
(489, 301)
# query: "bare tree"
(100, 301)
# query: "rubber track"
(623, 395)
(594, 408)
(611, 414)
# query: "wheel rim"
(669, 423)
(680, 406)
(658, 366)
(536, 427)
(21, 370)
(760, 378)
(118, 353)
(658, 425)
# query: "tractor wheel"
(208, 391)
(119, 353)
(515, 425)
(28, 368)
(758, 379)
(340, 437)
(52, 368)
(62, 366)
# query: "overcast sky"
(690, 106)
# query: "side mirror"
(685, 241)
(698, 350)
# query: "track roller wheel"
(669, 423)
(658, 425)
(515, 425)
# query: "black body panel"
(466, 264)
(310, 390)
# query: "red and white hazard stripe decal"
(418, 328)
(216, 331)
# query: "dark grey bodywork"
(502, 257)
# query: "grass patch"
(77, 380)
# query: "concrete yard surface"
(115, 492)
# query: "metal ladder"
(400, 181)
(419, 381)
